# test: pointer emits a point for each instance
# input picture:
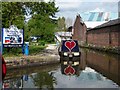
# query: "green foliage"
(42, 42)
(41, 22)
(61, 24)
(44, 80)
(42, 26)
(43, 8)
(35, 49)
(12, 51)
(12, 13)
(18, 51)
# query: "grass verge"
(13, 52)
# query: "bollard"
(26, 49)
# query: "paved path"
(52, 46)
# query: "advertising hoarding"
(13, 37)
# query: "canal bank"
(113, 50)
(47, 56)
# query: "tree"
(61, 23)
(12, 13)
(43, 8)
(41, 22)
(41, 26)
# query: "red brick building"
(79, 30)
(106, 35)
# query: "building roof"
(109, 23)
(93, 24)
(64, 34)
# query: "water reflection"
(106, 64)
(70, 70)
(88, 78)
(30, 77)
(44, 80)
(96, 70)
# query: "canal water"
(96, 70)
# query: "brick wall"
(107, 36)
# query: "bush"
(42, 42)
(18, 51)
(12, 51)
(35, 49)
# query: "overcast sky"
(70, 8)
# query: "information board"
(12, 37)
